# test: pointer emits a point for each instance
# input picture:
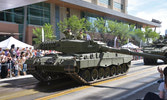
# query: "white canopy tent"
(130, 45)
(8, 42)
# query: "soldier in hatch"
(68, 34)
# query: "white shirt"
(162, 88)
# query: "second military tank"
(158, 47)
(84, 61)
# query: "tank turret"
(83, 61)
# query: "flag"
(115, 42)
(43, 35)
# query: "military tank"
(83, 61)
(158, 47)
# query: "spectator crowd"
(12, 61)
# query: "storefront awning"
(9, 4)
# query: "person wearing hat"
(6, 51)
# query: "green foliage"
(48, 31)
(37, 32)
(121, 30)
(75, 24)
(125, 31)
(63, 25)
(150, 34)
(86, 24)
(113, 27)
(100, 24)
(138, 35)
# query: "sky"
(148, 10)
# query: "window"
(118, 5)
(9, 17)
(107, 2)
(19, 10)
(2, 16)
(13, 15)
(39, 13)
(19, 15)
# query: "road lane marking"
(95, 84)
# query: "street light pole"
(25, 23)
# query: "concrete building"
(20, 21)
(117, 5)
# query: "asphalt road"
(139, 80)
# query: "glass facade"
(13, 15)
(39, 13)
(91, 18)
(107, 2)
(118, 5)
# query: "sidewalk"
(14, 78)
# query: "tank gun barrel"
(126, 51)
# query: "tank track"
(80, 80)
(36, 74)
(70, 71)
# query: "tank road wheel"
(86, 75)
(145, 61)
(107, 72)
(127, 67)
(101, 73)
(118, 69)
(154, 61)
(123, 68)
(113, 70)
(94, 74)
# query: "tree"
(100, 24)
(75, 24)
(121, 30)
(112, 27)
(48, 30)
(150, 34)
(138, 35)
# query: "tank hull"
(83, 68)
